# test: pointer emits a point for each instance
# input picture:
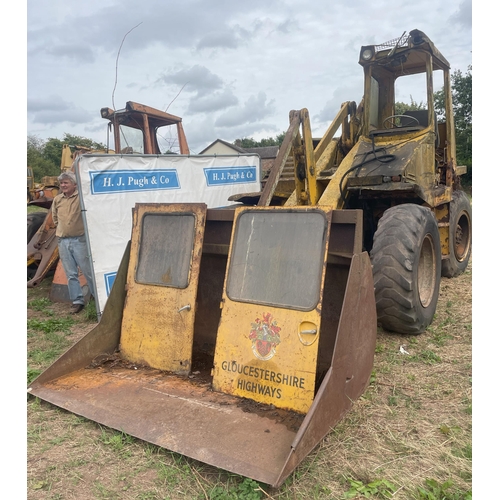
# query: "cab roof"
(404, 55)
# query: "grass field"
(408, 437)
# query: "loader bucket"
(237, 337)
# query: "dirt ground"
(412, 425)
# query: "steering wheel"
(390, 121)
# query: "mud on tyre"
(406, 259)
(460, 236)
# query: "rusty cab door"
(268, 336)
(158, 317)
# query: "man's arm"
(54, 212)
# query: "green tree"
(41, 165)
(401, 107)
(248, 142)
(52, 152)
(77, 140)
(53, 147)
(461, 89)
(44, 157)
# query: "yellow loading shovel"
(237, 337)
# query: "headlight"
(367, 54)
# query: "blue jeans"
(74, 254)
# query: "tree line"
(461, 88)
(44, 156)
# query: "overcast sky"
(230, 69)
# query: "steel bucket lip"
(183, 416)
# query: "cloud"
(333, 105)
(137, 26)
(464, 14)
(236, 123)
(328, 113)
(76, 52)
(54, 110)
(255, 109)
(287, 26)
(211, 93)
(225, 39)
(212, 102)
(200, 133)
(197, 78)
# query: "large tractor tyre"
(460, 236)
(35, 220)
(406, 259)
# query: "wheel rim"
(426, 271)
(462, 237)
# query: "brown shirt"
(67, 215)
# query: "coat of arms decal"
(265, 337)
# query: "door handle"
(185, 308)
(308, 333)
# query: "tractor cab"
(384, 65)
(142, 129)
(411, 151)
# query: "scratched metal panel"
(158, 320)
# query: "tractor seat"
(422, 116)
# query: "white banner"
(111, 185)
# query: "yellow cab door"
(158, 317)
(268, 336)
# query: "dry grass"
(412, 424)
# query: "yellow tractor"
(240, 336)
(400, 170)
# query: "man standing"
(70, 231)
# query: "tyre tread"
(395, 244)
